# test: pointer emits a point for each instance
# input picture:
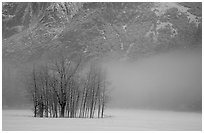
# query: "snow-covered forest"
(114, 61)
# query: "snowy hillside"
(120, 30)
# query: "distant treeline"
(60, 89)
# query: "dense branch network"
(60, 90)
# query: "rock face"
(121, 30)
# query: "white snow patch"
(116, 119)
(162, 25)
(129, 48)
(161, 8)
(124, 27)
(152, 32)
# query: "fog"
(169, 81)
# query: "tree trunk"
(99, 104)
(46, 109)
(56, 111)
(41, 109)
(102, 110)
(62, 110)
(35, 110)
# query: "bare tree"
(59, 90)
(34, 92)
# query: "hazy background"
(169, 81)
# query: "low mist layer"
(170, 81)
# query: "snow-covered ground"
(116, 119)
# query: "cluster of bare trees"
(59, 89)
